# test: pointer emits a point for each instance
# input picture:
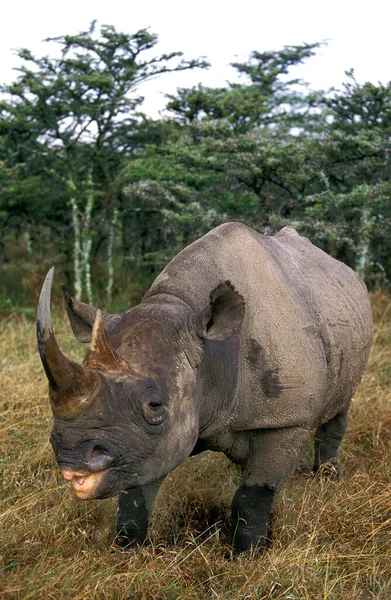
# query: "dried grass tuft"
(331, 540)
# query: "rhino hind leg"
(133, 514)
(328, 437)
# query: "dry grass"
(330, 540)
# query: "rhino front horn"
(69, 382)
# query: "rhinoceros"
(243, 345)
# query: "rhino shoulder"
(288, 231)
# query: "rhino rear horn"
(69, 381)
(101, 353)
(81, 316)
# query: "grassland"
(331, 540)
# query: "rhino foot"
(328, 470)
(134, 510)
(132, 518)
(328, 437)
(251, 508)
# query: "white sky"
(358, 35)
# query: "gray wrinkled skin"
(243, 344)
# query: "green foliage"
(318, 161)
(102, 189)
(361, 107)
(69, 125)
(266, 99)
(362, 235)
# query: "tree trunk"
(110, 254)
(86, 238)
(129, 231)
(362, 246)
(76, 239)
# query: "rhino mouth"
(84, 485)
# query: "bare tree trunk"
(29, 246)
(363, 246)
(110, 254)
(82, 235)
(86, 238)
(76, 239)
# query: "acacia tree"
(247, 135)
(226, 154)
(264, 153)
(354, 211)
(83, 111)
(267, 98)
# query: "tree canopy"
(88, 181)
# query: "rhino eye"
(153, 411)
(154, 404)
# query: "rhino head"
(130, 412)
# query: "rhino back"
(307, 329)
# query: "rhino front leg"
(327, 441)
(134, 511)
(273, 458)
(251, 509)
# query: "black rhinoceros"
(243, 344)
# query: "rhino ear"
(81, 316)
(224, 315)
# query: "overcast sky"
(358, 35)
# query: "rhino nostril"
(99, 459)
(97, 451)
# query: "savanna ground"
(330, 539)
